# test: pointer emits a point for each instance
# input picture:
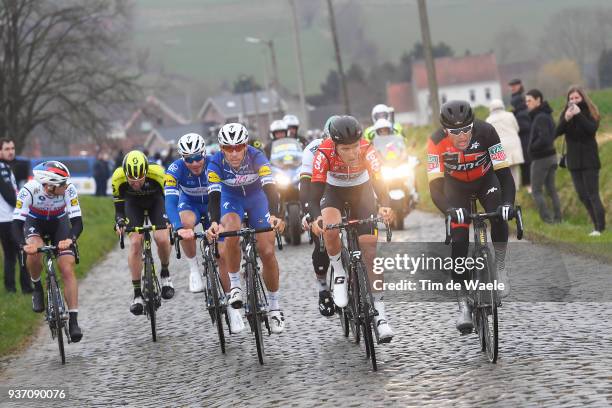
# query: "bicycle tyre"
(367, 324)
(150, 297)
(489, 318)
(213, 276)
(354, 305)
(254, 311)
(57, 318)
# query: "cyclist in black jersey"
(465, 158)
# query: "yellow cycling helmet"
(135, 164)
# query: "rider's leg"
(34, 264)
(332, 215)
(189, 220)
(320, 262)
(66, 265)
(229, 251)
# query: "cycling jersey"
(250, 177)
(185, 191)
(484, 153)
(308, 158)
(329, 168)
(153, 185)
(34, 202)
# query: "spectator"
(507, 128)
(8, 200)
(543, 155)
(101, 174)
(579, 122)
(521, 114)
(119, 159)
(168, 158)
(157, 158)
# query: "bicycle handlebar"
(247, 231)
(139, 230)
(518, 217)
(51, 250)
(197, 235)
(355, 223)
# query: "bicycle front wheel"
(253, 310)
(488, 310)
(367, 324)
(149, 298)
(216, 293)
(353, 307)
(56, 317)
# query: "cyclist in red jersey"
(347, 170)
(464, 158)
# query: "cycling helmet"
(328, 125)
(383, 124)
(291, 121)
(191, 143)
(135, 164)
(51, 172)
(456, 114)
(345, 130)
(277, 126)
(233, 134)
(380, 111)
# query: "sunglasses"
(193, 158)
(135, 180)
(457, 132)
(236, 148)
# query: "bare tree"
(579, 33)
(511, 45)
(63, 66)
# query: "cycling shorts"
(360, 199)
(135, 209)
(55, 230)
(199, 209)
(255, 205)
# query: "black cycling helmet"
(456, 114)
(345, 130)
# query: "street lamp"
(270, 44)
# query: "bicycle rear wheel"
(56, 317)
(255, 316)
(215, 284)
(488, 311)
(149, 297)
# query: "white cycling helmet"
(191, 143)
(380, 111)
(291, 121)
(277, 126)
(53, 173)
(233, 134)
(383, 124)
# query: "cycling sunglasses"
(465, 129)
(193, 158)
(235, 148)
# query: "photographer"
(579, 122)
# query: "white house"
(473, 78)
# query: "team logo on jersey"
(74, 202)
(475, 145)
(170, 181)
(18, 204)
(173, 167)
(497, 153)
(433, 162)
(213, 177)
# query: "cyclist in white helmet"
(382, 111)
(48, 206)
(293, 124)
(240, 180)
(186, 197)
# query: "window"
(472, 95)
(488, 94)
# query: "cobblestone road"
(551, 353)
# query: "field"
(204, 39)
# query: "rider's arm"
(6, 186)
(304, 192)
(314, 205)
(317, 187)
(264, 171)
(171, 198)
(213, 174)
(508, 189)
(214, 206)
(22, 209)
(273, 198)
(436, 190)
(374, 167)
(73, 210)
(76, 227)
(119, 184)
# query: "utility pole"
(275, 80)
(300, 66)
(332, 23)
(429, 62)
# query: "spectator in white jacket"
(507, 128)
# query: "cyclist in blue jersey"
(186, 196)
(240, 180)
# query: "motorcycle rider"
(382, 111)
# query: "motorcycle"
(286, 160)
(399, 173)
